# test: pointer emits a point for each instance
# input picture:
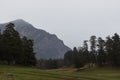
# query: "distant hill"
(46, 45)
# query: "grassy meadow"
(26, 73)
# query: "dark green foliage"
(72, 58)
(113, 50)
(93, 44)
(12, 44)
(77, 58)
(50, 63)
(101, 52)
(1, 47)
(29, 55)
(109, 50)
(13, 49)
(68, 58)
(86, 54)
(116, 49)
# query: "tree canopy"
(100, 52)
(14, 49)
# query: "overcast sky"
(71, 20)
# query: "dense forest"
(15, 49)
(94, 52)
(100, 52)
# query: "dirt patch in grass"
(71, 79)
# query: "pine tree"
(76, 58)
(101, 52)
(116, 49)
(109, 50)
(113, 50)
(93, 43)
(1, 52)
(12, 44)
(16, 50)
(28, 54)
(68, 58)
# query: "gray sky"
(71, 20)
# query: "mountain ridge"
(46, 45)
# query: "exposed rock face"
(46, 45)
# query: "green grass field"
(25, 73)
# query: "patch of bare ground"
(71, 79)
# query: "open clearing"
(25, 73)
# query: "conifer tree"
(101, 52)
(116, 50)
(28, 54)
(12, 44)
(93, 43)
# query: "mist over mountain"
(46, 45)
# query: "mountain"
(46, 45)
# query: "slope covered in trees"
(14, 49)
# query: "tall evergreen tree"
(113, 50)
(93, 43)
(1, 52)
(109, 50)
(116, 49)
(29, 55)
(101, 52)
(85, 52)
(68, 58)
(12, 43)
(16, 50)
(76, 58)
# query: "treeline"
(50, 63)
(100, 52)
(14, 49)
(19, 50)
(95, 51)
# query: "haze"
(71, 20)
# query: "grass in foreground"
(25, 73)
